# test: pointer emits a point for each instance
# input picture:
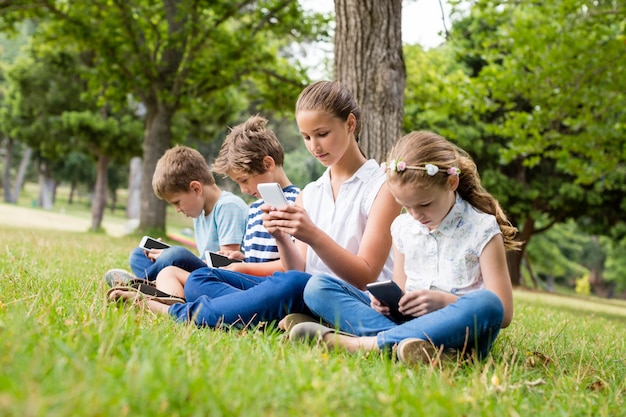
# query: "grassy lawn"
(65, 351)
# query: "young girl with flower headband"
(449, 252)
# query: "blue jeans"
(471, 324)
(218, 297)
(143, 267)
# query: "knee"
(296, 281)
(174, 252)
(493, 304)
(488, 304)
(135, 253)
(318, 287)
(199, 274)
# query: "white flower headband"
(400, 165)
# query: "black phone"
(148, 243)
(216, 260)
(388, 293)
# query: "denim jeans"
(472, 323)
(218, 297)
(143, 267)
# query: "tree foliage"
(177, 54)
(534, 91)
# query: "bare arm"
(359, 269)
(496, 275)
(399, 274)
(233, 247)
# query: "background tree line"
(535, 91)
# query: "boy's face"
(248, 182)
(189, 203)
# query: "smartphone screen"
(389, 294)
(215, 260)
(149, 243)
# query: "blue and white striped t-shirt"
(259, 245)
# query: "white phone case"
(272, 194)
(149, 243)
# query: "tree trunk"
(46, 186)
(369, 61)
(70, 199)
(514, 258)
(133, 205)
(113, 201)
(21, 172)
(157, 140)
(100, 193)
(514, 262)
(8, 197)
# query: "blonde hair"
(245, 147)
(417, 149)
(177, 168)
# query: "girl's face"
(427, 206)
(325, 136)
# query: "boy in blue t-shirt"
(182, 178)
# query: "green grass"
(65, 351)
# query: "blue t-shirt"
(224, 225)
(259, 245)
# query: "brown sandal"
(148, 292)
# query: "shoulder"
(229, 201)
(291, 192)
(476, 216)
(229, 198)
(479, 226)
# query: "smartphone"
(272, 194)
(388, 293)
(215, 260)
(149, 243)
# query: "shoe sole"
(416, 351)
(292, 319)
(148, 292)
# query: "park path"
(11, 215)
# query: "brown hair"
(416, 149)
(177, 168)
(245, 147)
(333, 98)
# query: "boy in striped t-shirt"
(251, 154)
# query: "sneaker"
(292, 319)
(118, 277)
(413, 351)
(309, 332)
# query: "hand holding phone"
(389, 294)
(148, 243)
(272, 194)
